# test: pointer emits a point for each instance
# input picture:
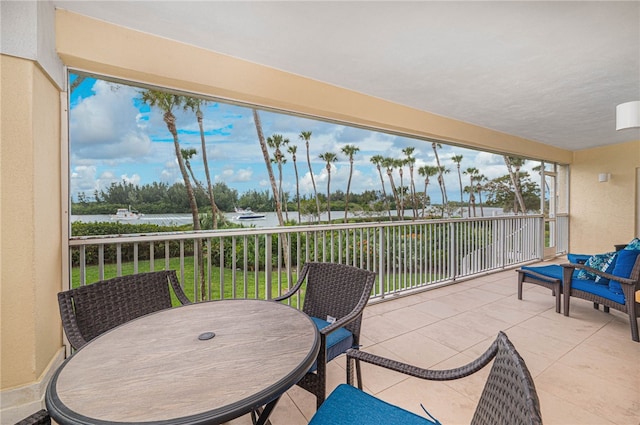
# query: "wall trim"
(19, 402)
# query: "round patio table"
(201, 363)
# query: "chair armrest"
(345, 320)
(428, 374)
(301, 277)
(622, 280)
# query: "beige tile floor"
(586, 368)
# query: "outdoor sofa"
(611, 279)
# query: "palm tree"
(275, 142)
(441, 171)
(458, 159)
(267, 161)
(426, 171)
(328, 157)
(187, 154)
(411, 161)
(350, 151)
(399, 163)
(377, 161)
(480, 186)
(195, 105)
(389, 164)
(472, 172)
(513, 166)
(306, 136)
(293, 149)
(167, 102)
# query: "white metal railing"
(407, 255)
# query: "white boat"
(247, 214)
(126, 214)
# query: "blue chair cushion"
(338, 341)
(347, 405)
(597, 289)
(553, 271)
(624, 266)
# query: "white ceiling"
(546, 71)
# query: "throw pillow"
(599, 262)
(608, 268)
(633, 245)
(624, 266)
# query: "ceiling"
(552, 72)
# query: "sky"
(115, 137)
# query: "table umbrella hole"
(206, 335)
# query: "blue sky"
(114, 137)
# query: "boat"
(248, 214)
(126, 214)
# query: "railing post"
(267, 266)
(381, 268)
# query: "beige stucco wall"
(30, 222)
(603, 214)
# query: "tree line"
(514, 192)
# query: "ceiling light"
(628, 115)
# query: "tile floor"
(586, 368)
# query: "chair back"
(88, 311)
(336, 290)
(509, 395)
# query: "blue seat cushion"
(624, 266)
(597, 289)
(553, 271)
(347, 405)
(338, 341)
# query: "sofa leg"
(596, 306)
(605, 308)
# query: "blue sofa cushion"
(338, 341)
(599, 262)
(624, 266)
(597, 289)
(347, 405)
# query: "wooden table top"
(156, 369)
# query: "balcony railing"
(262, 262)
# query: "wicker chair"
(41, 417)
(599, 294)
(89, 311)
(509, 396)
(333, 291)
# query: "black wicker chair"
(509, 396)
(89, 311)
(332, 291)
(41, 417)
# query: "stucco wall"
(603, 214)
(30, 217)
